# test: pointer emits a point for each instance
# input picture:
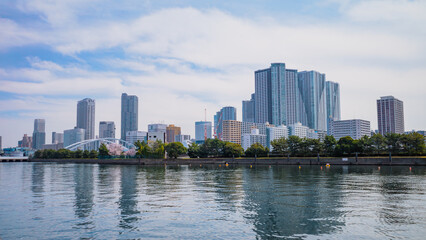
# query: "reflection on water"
(128, 202)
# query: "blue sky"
(180, 58)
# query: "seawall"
(395, 161)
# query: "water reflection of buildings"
(84, 194)
(128, 202)
(284, 202)
(37, 180)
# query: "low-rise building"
(254, 137)
(134, 136)
(354, 128)
(273, 133)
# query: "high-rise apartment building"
(226, 113)
(203, 130)
(106, 129)
(39, 134)
(354, 128)
(313, 112)
(390, 115)
(72, 136)
(86, 117)
(263, 102)
(57, 138)
(332, 102)
(249, 109)
(129, 114)
(251, 138)
(171, 132)
(273, 133)
(27, 141)
(231, 130)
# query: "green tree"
(280, 146)
(393, 142)
(294, 145)
(38, 154)
(143, 150)
(257, 150)
(64, 153)
(345, 146)
(78, 153)
(175, 149)
(194, 150)
(413, 143)
(103, 150)
(232, 150)
(377, 144)
(93, 154)
(329, 145)
(158, 150)
(86, 154)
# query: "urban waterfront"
(69, 201)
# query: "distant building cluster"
(286, 102)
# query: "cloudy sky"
(180, 58)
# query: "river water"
(90, 201)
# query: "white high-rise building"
(86, 117)
(254, 137)
(390, 115)
(354, 128)
(273, 133)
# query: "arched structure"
(94, 144)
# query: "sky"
(182, 57)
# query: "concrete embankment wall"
(395, 161)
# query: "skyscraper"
(106, 129)
(263, 105)
(226, 113)
(332, 102)
(249, 109)
(39, 134)
(129, 114)
(313, 111)
(278, 95)
(86, 117)
(390, 115)
(203, 130)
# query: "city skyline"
(54, 55)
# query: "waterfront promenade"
(394, 161)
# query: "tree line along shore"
(412, 144)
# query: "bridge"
(94, 144)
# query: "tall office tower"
(57, 138)
(390, 115)
(203, 130)
(313, 112)
(106, 129)
(171, 132)
(39, 134)
(280, 107)
(263, 111)
(231, 130)
(129, 114)
(72, 136)
(249, 109)
(332, 102)
(226, 113)
(86, 117)
(354, 128)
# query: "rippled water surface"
(69, 201)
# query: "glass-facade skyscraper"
(129, 114)
(39, 134)
(226, 113)
(249, 109)
(86, 117)
(313, 112)
(203, 130)
(332, 102)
